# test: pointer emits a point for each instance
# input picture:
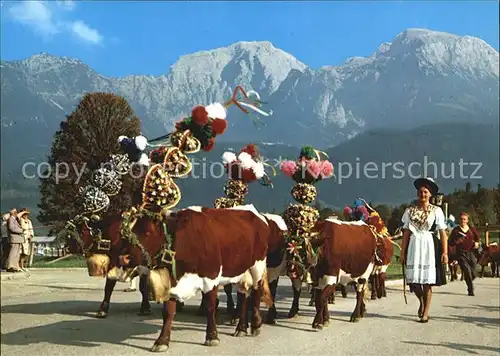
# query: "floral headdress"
(247, 166)
(199, 130)
(244, 168)
(308, 168)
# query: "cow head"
(95, 239)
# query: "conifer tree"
(86, 139)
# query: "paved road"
(52, 314)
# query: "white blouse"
(414, 219)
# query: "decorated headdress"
(199, 130)
(244, 168)
(307, 170)
(360, 210)
(300, 218)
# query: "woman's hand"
(444, 258)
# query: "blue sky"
(119, 38)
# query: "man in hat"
(16, 239)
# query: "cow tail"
(266, 296)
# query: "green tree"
(86, 139)
(385, 212)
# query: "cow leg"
(228, 289)
(482, 272)
(313, 297)
(380, 288)
(143, 288)
(168, 312)
(326, 314)
(272, 313)
(256, 323)
(237, 311)
(296, 287)
(321, 299)
(331, 297)
(211, 337)
(343, 290)
(359, 309)
(242, 327)
(383, 277)
(373, 283)
(108, 290)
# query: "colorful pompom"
(288, 168)
(219, 126)
(200, 115)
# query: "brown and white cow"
(346, 254)
(490, 254)
(212, 247)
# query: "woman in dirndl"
(423, 253)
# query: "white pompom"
(228, 157)
(144, 160)
(452, 218)
(246, 160)
(141, 142)
(258, 169)
(216, 111)
(121, 138)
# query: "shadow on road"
(471, 349)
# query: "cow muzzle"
(97, 265)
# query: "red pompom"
(200, 115)
(219, 126)
(251, 149)
(209, 146)
(247, 175)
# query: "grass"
(70, 262)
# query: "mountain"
(421, 77)
(376, 153)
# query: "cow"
(346, 254)
(490, 254)
(209, 247)
(102, 238)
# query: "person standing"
(16, 239)
(422, 253)
(466, 239)
(27, 226)
(5, 241)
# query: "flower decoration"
(308, 168)
(200, 129)
(247, 166)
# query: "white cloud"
(36, 15)
(86, 33)
(49, 18)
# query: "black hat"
(428, 183)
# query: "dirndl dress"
(423, 259)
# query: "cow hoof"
(256, 332)
(355, 319)
(317, 326)
(326, 323)
(373, 297)
(240, 333)
(159, 348)
(311, 303)
(144, 312)
(213, 342)
(101, 314)
(293, 314)
(234, 321)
